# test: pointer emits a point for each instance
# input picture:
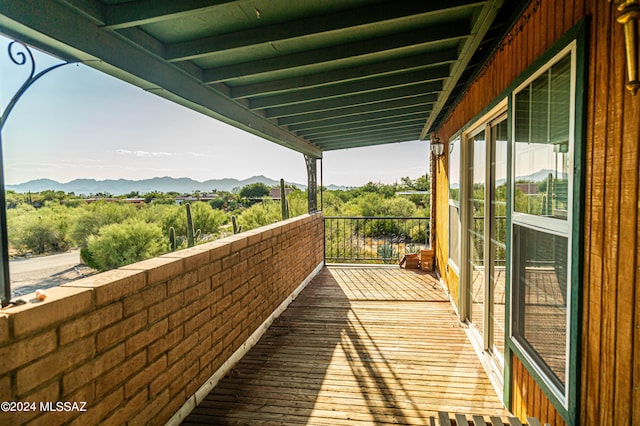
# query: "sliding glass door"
(475, 230)
(486, 234)
(497, 237)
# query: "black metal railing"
(368, 239)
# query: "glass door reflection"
(476, 232)
(498, 237)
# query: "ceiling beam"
(423, 36)
(350, 101)
(422, 60)
(93, 9)
(131, 14)
(366, 15)
(362, 144)
(390, 137)
(372, 129)
(362, 109)
(360, 86)
(360, 118)
(108, 52)
(382, 122)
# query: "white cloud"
(199, 154)
(144, 153)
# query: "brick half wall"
(138, 342)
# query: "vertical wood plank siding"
(610, 348)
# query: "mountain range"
(538, 176)
(161, 184)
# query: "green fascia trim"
(483, 21)
(578, 33)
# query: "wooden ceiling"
(312, 75)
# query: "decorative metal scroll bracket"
(18, 57)
(629, 17)
(312, 186)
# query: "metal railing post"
(4, 238)
(18, 58)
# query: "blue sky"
(77, 122)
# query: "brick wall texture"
(135, 343)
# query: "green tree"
(422, 183)
(122, 244)
(397, 206)
(218, 203)
(332, 203)
(254, 190)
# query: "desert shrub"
(38, 230)
(260, 214)
(418, 234)
(120, 244)
(96, 215)
(205, 218)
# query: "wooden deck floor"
(358, 346)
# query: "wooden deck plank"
(358, 345)
(496, 421)
(479, 421)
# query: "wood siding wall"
(610, 349)
(528, 399)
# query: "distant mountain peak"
(87, 186)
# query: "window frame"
(565, 399)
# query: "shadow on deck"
(359, 344)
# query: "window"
(454, 203)
(542, 143)
(540, 266)
(542, 176)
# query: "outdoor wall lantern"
(437, 147)
(629, 17)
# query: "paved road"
(43, 266)
(27, 275)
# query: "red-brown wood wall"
(528, 398)
(610, 348)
